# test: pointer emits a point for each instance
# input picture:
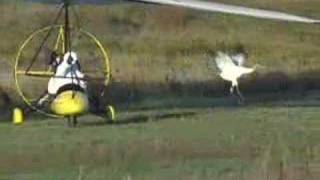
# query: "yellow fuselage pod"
(70, 103)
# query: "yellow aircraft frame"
(59, 41)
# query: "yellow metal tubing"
(60, 40)
(35, 73)
(107, 71)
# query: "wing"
(232, 9)
(238, 59)
(223, 61)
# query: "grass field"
(172, 138)
(175, 119)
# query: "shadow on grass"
(270, 89)
(280, 99)
(274, 89)
(141, 118)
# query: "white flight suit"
(67, 74)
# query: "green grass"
(170, 141)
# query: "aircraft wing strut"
(233, 9)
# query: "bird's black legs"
(238, 94)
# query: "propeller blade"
(233, 9)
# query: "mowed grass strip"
(189, 143)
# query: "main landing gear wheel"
(111, 114)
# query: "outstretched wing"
(223, 61)
(232, 9)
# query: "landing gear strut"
(72, 121)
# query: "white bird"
(231, 69)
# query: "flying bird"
(231, 69)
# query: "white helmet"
(70, 57)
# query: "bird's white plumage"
(230, 71)
(232, 9)
(239, 59)
(223, 61)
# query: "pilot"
(54, 61)
(67, 76)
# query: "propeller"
(232, 9)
